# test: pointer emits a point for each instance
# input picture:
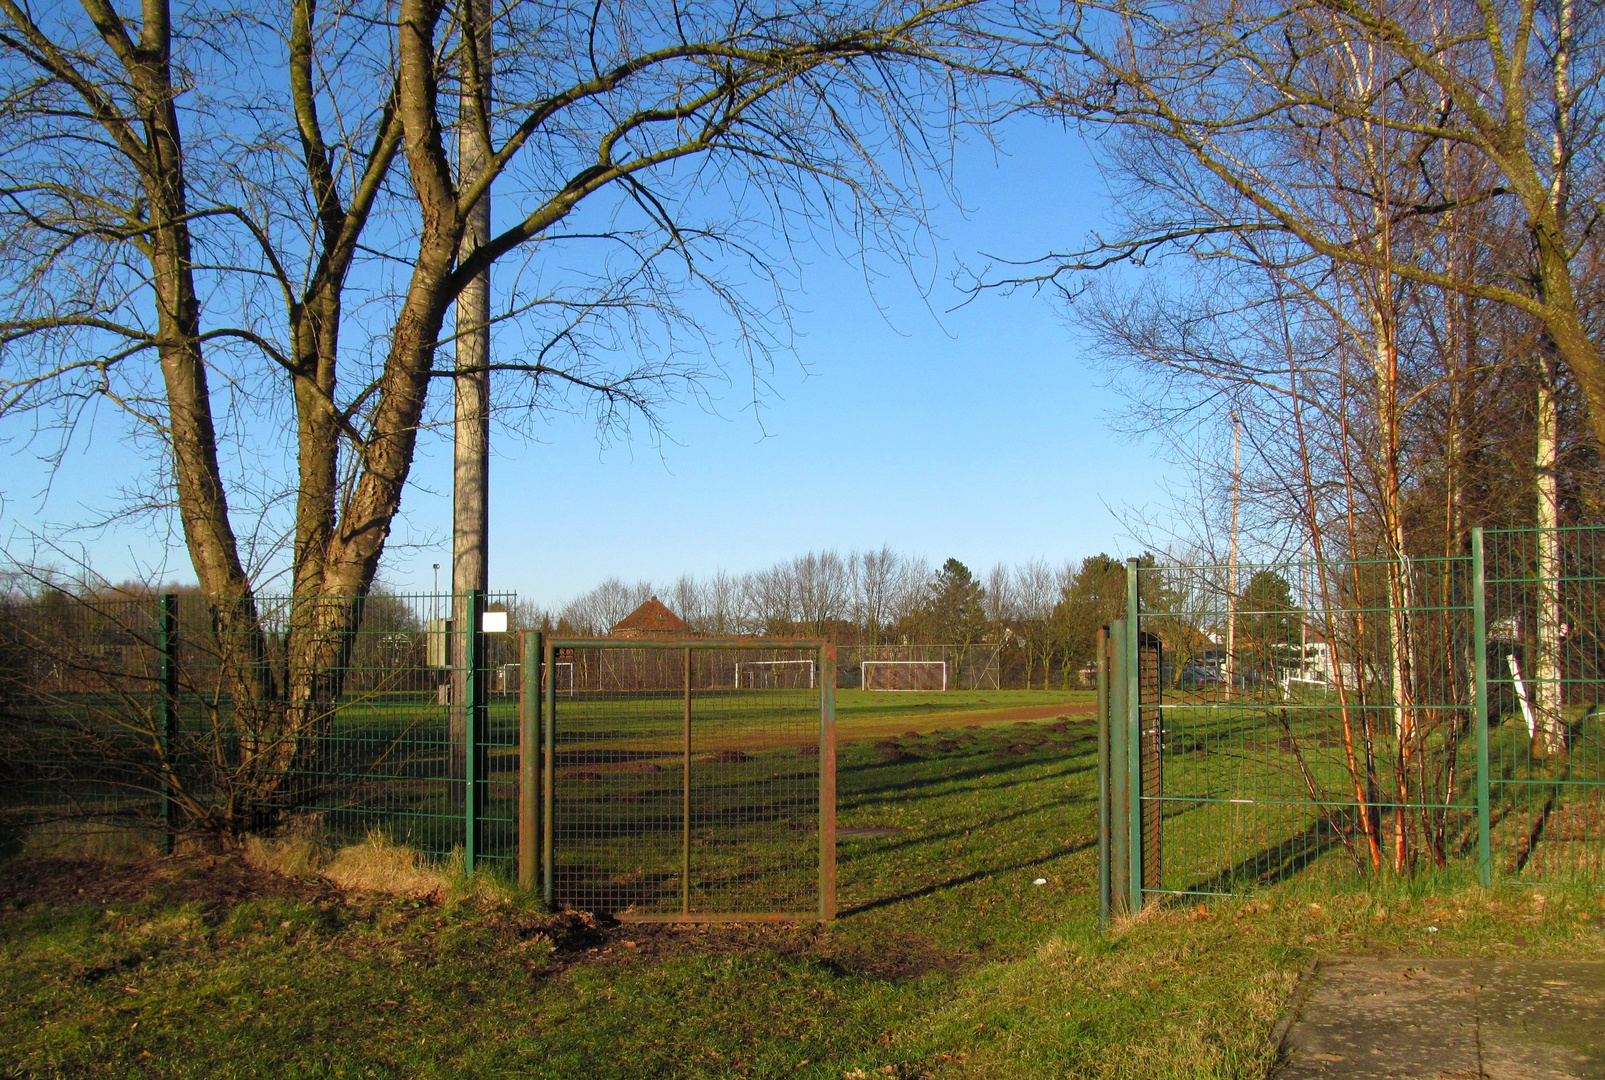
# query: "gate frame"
(537, 787)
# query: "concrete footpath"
(1443, 1019)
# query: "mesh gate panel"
(686, 779)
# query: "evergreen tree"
(957, 608)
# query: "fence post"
(827, 783)
(1103, 776)
(1119, 775)
(473, 727)
(1134, 734)
(529, 755)
(1479, 648)
(548, 777)
(167, 638)
(685, 796)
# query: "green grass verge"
(948, 960)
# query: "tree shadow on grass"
(964, 879)
(1278, 862)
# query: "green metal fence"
(1357, 717)
(1545, 662)
(379, 714)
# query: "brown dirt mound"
(947, 746)
(728, 757)
(898, 755)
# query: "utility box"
(437, 647)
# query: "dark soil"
(209, 880)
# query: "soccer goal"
(774, 674)
(563, 672)
(905, 674)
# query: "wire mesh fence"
(690, 779)
(1546, 683)
(173, 711)
(81, 712)
(1353, 717)
(1306, 714)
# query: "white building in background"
(1315, 663)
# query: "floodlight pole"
(471, 431)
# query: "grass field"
(948, 961)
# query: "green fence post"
(473, 727)
(529, 755)
(1479, 648)
(167, 638)
(1133, 736)
(1103, 777)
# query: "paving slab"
(1366, 1019)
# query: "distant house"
(652, 620)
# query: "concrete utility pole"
(1229, 665)
(471, 447)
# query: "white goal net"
(905, 674)
(775, 674)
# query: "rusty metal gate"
(681, 780)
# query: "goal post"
(775, 674)
(910, 675)
(563, 674)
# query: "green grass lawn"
(948, 961)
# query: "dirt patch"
(729, 757)
(210, 880)
(892, 958)
(947, 746)
(641, 767)
(968, 719)
(897, 755)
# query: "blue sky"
(979, 433)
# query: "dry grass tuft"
(381, 866)
(292, 856)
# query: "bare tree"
(265, 200)
(1219, 102)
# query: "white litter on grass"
(1432, 929)
(1040, 881)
